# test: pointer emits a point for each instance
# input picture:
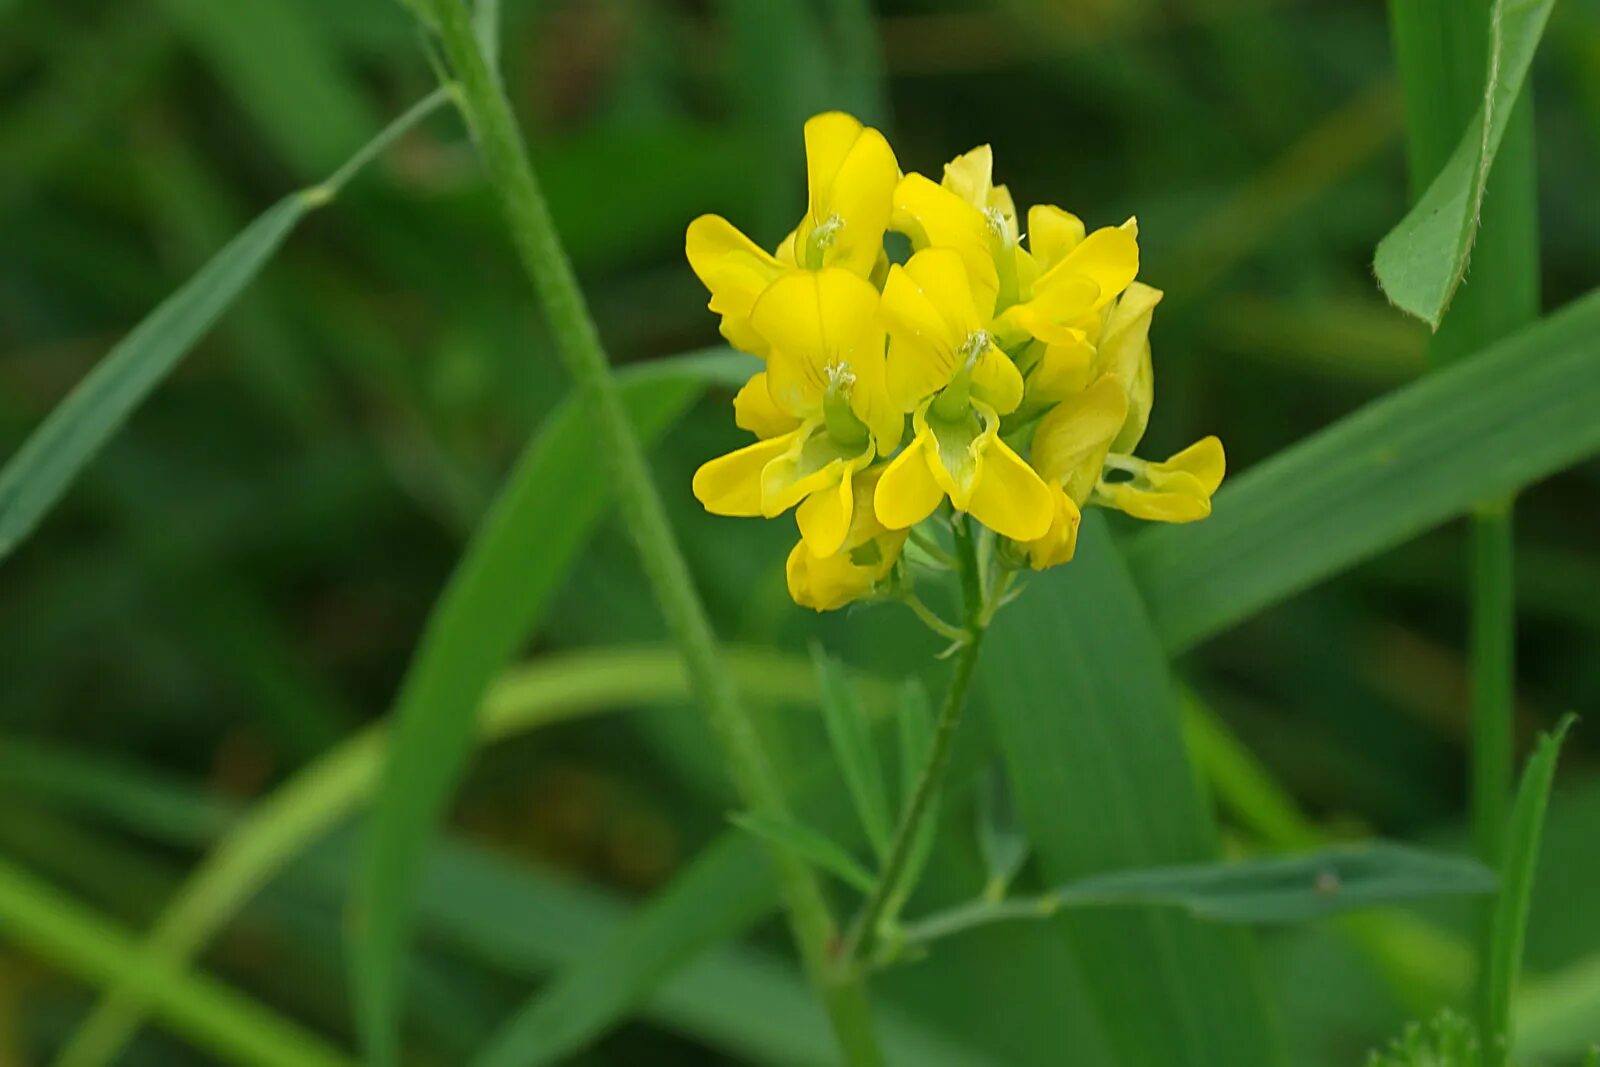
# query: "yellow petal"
(971, 176)
(1124, 352)
(935, 217)
(754, 410)
(996, 380)
(1052, 233)
(731, 484)
(1071, 442)
(813, 463)
(922, 343)
(824, 517)
(735, 270)
(907, 492)
(861, 197)
(1204, 460)
(1063, 371)
(1109, 257)
(1060, 542)
(1008, 497)
(819, 325)
(1056, 314)
(829, 138)
(1181, 499)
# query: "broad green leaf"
(850, 734)
(1482, 427)
(811, 844)
(91, 947)
(1424, 258)
(1292, 888)
(1078, 685)
(1509, 928)
(52, 457)
(1001, 838)
(499, 589)
(303, 809)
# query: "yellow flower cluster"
(1022, 365)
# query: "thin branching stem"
(533, 232)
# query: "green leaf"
(1510, 922)
(1293, 888)
(91, 947)
(303, 809)
(70, 436)
(1484, 426)
(46, 464)
(1077, 683)
(1447, 1040)
(499, 589)
(1423, 259)
(814, 846)
(850, 735)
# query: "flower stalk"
(488, 114)
(888, 890)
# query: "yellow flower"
(820, 408)
(944, 368)
(851, 172)
(866, 556)
(1094, 430)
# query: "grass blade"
(812, 845)
(495, 596)
(1486, 425)
(70, 436)
(1510, 923)
(1288, 889)
(303, 809)
(1077, 683)
(914, 720)
(1423, 259)
(92, 947)
(850, 734)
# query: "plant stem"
(494, 127)
(864, 931)
(1443, 52)
(977, 913)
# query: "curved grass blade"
(51, 458)
(1483, 426)
(1078, 686)
(1510, 923)
(499, 589)
(307, 806)
(211, 1016)
(1423, 259)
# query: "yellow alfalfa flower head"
(851, 173)
(945, 369)
(820, 408)
(1082, 447)
(858, 569)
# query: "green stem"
(982, 912)
(494, 127)
(864, 931)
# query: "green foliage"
(850, 735)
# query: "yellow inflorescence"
(1008, 374)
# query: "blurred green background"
(237, 583)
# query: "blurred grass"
(241, 577)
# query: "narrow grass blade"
(316, 799)
(1510, 922)
(850, 734)
(214, 1018)
(1001, 838)
(811, 844)
(498, 591)
(52, 457)
(1078, 686)
(914, 722)
(1484, 426)
(1289, 889)
(1423, 259)
(46, 464)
